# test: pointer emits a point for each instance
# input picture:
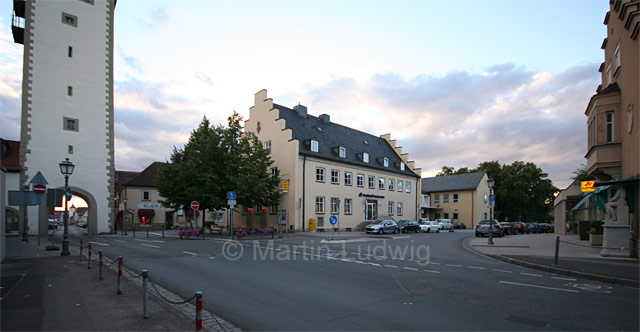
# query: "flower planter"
(595, 239)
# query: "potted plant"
(595, 233)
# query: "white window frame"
(360, 180)
(320, 174)
(402, 165)
(407, 186)
(390, 208)
(365, 157)
(616, 55)
(385, 162)
(348, 178)
(319, 204)
(273, 171)
(371, 181)
(342, 152)
(456, 198)
(399, 208)
(314, 145)
(335, 176)
(611, 126)
(381, 183)
(609, 79)
(146, 193)
(392, 185)
(267, 145)
(445, 199)
(436, 198)
(348, 206)
(334, 205)
(400, 187)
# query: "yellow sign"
(285, 186)
(587, 186)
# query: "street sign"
(333, 220)
(587, 186)
(54, 197)
(284, 184)
(231, 195)
(40, 189)
(68, 194)
(492, 198)
(195, 205)
(39, 179)
(231, 203)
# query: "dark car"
(520, 227)
(409, 226)
(543, 228)
(532, 226)
(507, 228)
(459, 225)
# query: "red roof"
(11, 155)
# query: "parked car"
(409, 226)
(543, 228)
(482, 228)
(459, 225)
(507, 229)
(53, 224)
(382, 226)
(532, 226)
(445, 223)
(520, 227)
(429, 226)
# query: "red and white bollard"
(89, 258)
(198, 311)
(119, 274)
(81, 243)
(100, 255)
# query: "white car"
(445, 223)
(429, 226)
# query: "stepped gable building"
(330, 170)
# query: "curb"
(551, 269)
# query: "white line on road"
(119, 241)
(476, 267)
(434, 263)
(505, 271)
(100, 244)
(454, 265)
(374, 264)
(149, 245)
(431, 271)
(536, 286)
(410, 268)
(190, 253)
(531, 274)
(569, 279)
(345, 260)
(211, 257)
(154, 241)
(393, 266)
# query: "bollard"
(119, 274)
(198, 311)
(81, 249)
(555, 261)
(163, 231)
(145, 293)
(100, 255)
(147, 231)
(89, 258)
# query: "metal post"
(89, 258)
(134, 227)
(147, 231)
(81, 245)
(65, 236)
(555, 260)
(490, 217)
(198, 311)
(163, 227)
(231, 223)
(100, 255)
(119, 292)
(25, 188)
(145, 293)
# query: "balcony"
(17, 21)
(605, 161)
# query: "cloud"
(133, 62)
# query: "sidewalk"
(576, 258)
(43, 291)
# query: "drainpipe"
(304, 167)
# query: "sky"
(455, 82)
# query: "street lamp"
(66, 168)
(490, 183)
(124, 220)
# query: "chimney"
(301, 110)
(325, 118)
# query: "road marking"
(119, 241)
(476, 267)
(149, 245)
(505, 271)
(190, 253)
(569, 279)
(410, 268)
(393, 266)
(454, 265)
(345, 260)
(211, 257)
(536, 286)
(375, 264)
(431, 271)
(434, 263)
(100, 244)
(531, 274)
(154, 241)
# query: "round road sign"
(195, 205)
(333, 220)
(39, 189)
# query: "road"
(402, 282)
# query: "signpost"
(40, 189)
(195, 206)
(231, 200)
(333, 220)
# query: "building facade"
(329, 171)
(461, 197)
(613, 155)
(67, 99)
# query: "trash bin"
(583, 230)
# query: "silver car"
(382, 226)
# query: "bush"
(595, 227)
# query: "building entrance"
(371, 211)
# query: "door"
(371, 212)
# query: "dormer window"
(402, 166)
(385, 162)
(365, 157)
(314, 145)
(343, 152)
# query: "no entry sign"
(195, 205)
(40, 189)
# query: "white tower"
(67, 99)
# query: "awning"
(584, 199)
(146, 212)
(189, 213)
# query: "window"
(70, 149)
(391, 185)
(335, 176)
(408, 186)
(436, 199)
(347, 206)
(445, 199)
(399, 208)
(343, 152)
(455, 216)
(70, 52)
(372, 182)
(335, 202)
(381, 183)
(455, 198)
(320, 221)
(385, 162)
(146, 195)
(70, 124)
(69, 90)
(348, 178)
(446, 216)
(438, 216)
(400, 185)
(273, 209)
(319, 204)
(360, 180)
(402, 166)
(273, 171)
(390, 209)
(617, 56)
(611, 127)
(319, 174)
(608, 74)
(365, 157)
(70, 19)
(267, 146)
(88, 1)
(314, 145)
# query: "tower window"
(88, 1)
(69, 90)
(70, 52)
(70, 149)
(70, 124)
(69, 19)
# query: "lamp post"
(66, 168)
(490, 183)
(124, 220)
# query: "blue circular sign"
(231, 195)
(333, 220)
(68, 193)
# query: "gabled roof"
(10, 160)
(123, 177)
(331, 136)
(147, 178)
(469, 181)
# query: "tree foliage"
(214, 161)
(580, 174)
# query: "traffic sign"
(195, 205)
(231, 203)
(492, 198)
(68, 194)
(333, 220)
(40, 189)
(39, 179)
(231, 195)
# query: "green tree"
(525, 192)
(580, 174)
